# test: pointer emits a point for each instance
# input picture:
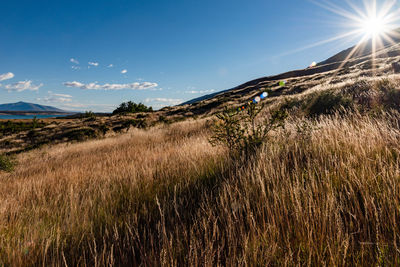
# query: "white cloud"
(73, 84)
(200, 92)
(75, 67)
(53, 99)
(110, 66)
(124, 71)
(56, 98)
(62, 95)
(115, 86)
(95, 64)
(73, 60)
(6, 76)
(22, 86)
(75, 106)
(168, 101)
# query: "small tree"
(242, 132)
(228, 130)
(35, 122)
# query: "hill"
(360, 55)
(298, 81)
(29, 107)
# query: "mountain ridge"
(29, 107)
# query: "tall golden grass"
(322, 192)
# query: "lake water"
(19, 117)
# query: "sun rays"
(373, 24)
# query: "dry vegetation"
(323, 190)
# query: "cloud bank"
(114, 86)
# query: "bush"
(391, 93)
(80, 134)
(126, 125)
(11, 127)
(290, 104)
(131, 107)
(104, 129)
(326, 102)
(242, 133)
(163, 119)
(6, 164)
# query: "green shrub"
(242, 132)
(80, 134)
(11, 127)
(326, 102)
(6, 164)
(163, 119)
(289, 104)
(131, 107)
(89, 116)
(104, 129)
(391, 93)
(126, 125)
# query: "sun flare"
(374, 27)
(375, 24)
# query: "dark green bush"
(6, 164)
(126, 125)
(289, 104)
(163, 119)
(80, 134)
(104, 129)
(131, 107)
(326, 102)
(391, 93)
(11, 127)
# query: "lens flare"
(374, 27)
(264, 95)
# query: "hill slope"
(298, 81)
(361, 57)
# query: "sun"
(374, 23)
(374, 27)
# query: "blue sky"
(93, 55)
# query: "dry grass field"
(324, 190)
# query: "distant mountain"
(29, 107)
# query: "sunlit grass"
(324, 191)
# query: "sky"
(93, 55)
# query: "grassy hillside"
(150, 189)
(323, 190)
